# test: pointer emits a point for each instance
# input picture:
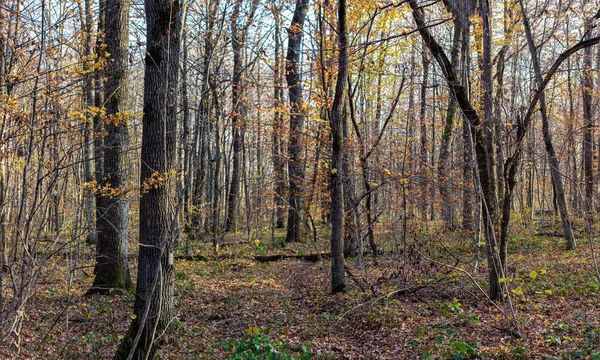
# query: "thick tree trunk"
(238, 128)
(295, 221)
(112, 270)
(337, 157)
(154, 294)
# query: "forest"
(299, 179)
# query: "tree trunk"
(277, 152)
(154, 294)
(447, 135)
(588, 122)
(482, 158)
(552, 159)
(423, 169)
(88, 98)
(112, 270)
(338, 283)
(295, 221)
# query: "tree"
(153, 307)
(293, 77)
(112, 222)
(550, 152)
(239, 34)
(338, 283)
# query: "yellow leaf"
(548, 292)
(133, 317)
(120, 337)
(503, 280)
(542, 272)
(333, 171)
(533, 274)
(517, 291)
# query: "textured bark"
(295, 221)
(352, 234)
(496, 253)
(202, 130)
(587, 87)
(467, 137)
(550, 152)
(278, 144)
(112, 270)
(154, 294)
(338, 282)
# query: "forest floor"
(407, 308)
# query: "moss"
(111, 281)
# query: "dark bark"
(495, 251)
(308, 257)
(295, 221)
(338, 282)
(154, 294)
(587, 88)
(112, 270)
(352, 234)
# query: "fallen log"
(308, 257)
(191, 257)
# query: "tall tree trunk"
(99, 102)
(237, 123)
(239, 108)
(467, 137)
(447, 135)
(588, 121)
(112, 270)
(338, 282)
(423, 168)
(295, 221)
(352, 234)
(277, 152)
(88, 97)
(482, 158)
(496, 255)
(154, 294)
(552, 159)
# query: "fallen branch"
(308, 257)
